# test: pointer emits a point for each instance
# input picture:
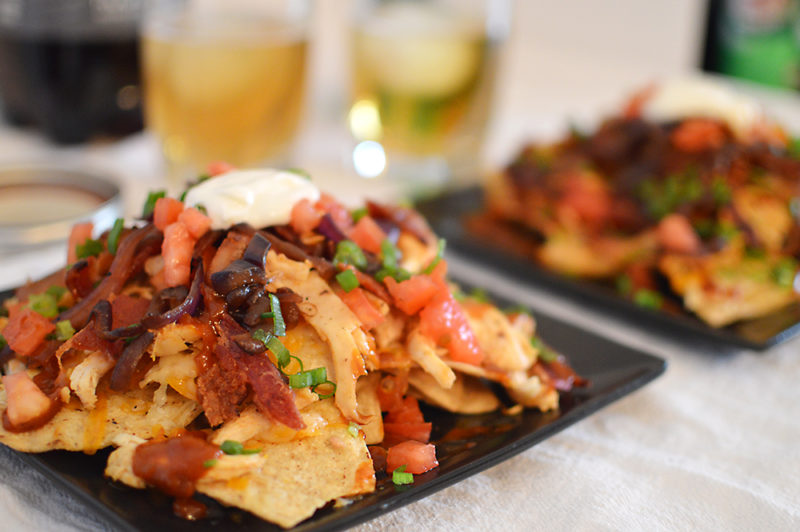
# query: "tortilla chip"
(467, 396)
(75, 429)
(120, 462)
(370, 406)
(726, 287)
(287, 482)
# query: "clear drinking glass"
(423, 73)
(224, 81)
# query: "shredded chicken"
(85, 376)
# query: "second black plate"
(447, 215)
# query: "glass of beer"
(423, 72)
(224, 81)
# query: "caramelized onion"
(133, 251)
(328, 228)
(187, 306)
(128, 367)
(256, 252)
(238, 274)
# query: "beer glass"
(423, 72)
(224, 81)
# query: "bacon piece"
(127, 310)
(271, 393)
(220, 389)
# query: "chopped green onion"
(357, 214)
(794, 148)
(353, 429)
(400, 477)
(480, 295)
(647, 298)
(784, 272)
(299, 171)
(64, 330)
(516, 309)
(545, 353)
(261, 335)
(44, 304)
(201, 208)
(439, 254)
(398, 275)
(312, 377)
(278, 325)
(720, 191)
(279, 350)
(324, 395)
(3, 342)
(56, 291)
(265, 315)
(348, 252)
(114, 234)
(89, 248)
(624, 284)
(210, 463)
(150, 203)
(754, 253)
(347, 280)
(389, 254)
(231, 447)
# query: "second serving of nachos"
(258, 342)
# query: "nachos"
(257, 342)
(689, 195)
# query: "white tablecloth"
(711, 445)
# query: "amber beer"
(229, 90)
(421, 81)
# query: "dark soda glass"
(67, 70)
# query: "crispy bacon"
(271, 393)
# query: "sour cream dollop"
(691, 97)
(260, 198)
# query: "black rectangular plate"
(447, 213)
(479, 442)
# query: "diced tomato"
(588, 197)
(26, 402)
(439, 273)
(80, 232)
(365, 311)
(304, 217)
(418, 457)
(195, 221)
(407, 412)
(219, 167)
(676, 234)
(127, 310)
(367, 234)
(177, 251)
(633, 109)
(443, 320)
(391, 391)
(398, 432)
(413, 294)
(339, 213)
(166, 212)
(231, 249)
(26, 330)
(698, 134)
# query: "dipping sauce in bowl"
(39, 204)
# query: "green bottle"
(758, 40)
